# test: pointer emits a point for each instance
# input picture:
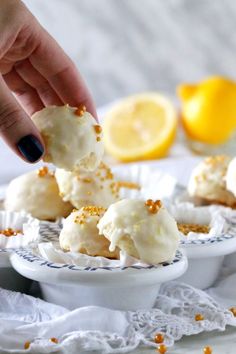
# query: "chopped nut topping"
(26, 345)
(87, 180)
(80, 111)
(10, 232)
(199, 317)
(88, 211)
(43, 171)
(153, 207)
(233, 310)
(187, 228)
(214, 160)
(93, 209)
(159, 338)
(162, 349)
(129, 185)
(97, 128)
(207, 350)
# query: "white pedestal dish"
(9, 278)
(123, 288)
(205, 260)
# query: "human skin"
(38, 72)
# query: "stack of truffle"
(73, 141)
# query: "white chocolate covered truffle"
(80, 233)
(231, 177)
(208, 181)
(88, 188)
(144, 230)
(37, 193)
(72, 137)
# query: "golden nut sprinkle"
(98, 129)
(233, 310)
(199, 317)
(153, 207)
(187, 228)
(159, 338)
(26, 345)
(42, 171)
(10, 232)
(162, 349)
(207, 350)
(80, 111)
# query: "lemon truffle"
(80, 233)
(37, 193)
(208, 181)
(144, 230)
(88, 188)
(72, 137)
(231, 177)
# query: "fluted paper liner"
(18, 221)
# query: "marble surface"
(126, 46)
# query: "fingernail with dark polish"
(30, 147)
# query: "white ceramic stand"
(202, 272)
(122, 298)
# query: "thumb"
(17, 129)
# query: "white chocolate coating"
(80, 233)
(38, 196)
(88, 188)
(129, 225)
(71, 140)
(231, 177)
(208, 181)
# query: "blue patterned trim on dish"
(207, 241)
(32, 258)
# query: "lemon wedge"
(140, 127)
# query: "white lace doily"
(91, 328)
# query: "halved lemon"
(140, 127)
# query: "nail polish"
(30, 148)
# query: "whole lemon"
(209, 109)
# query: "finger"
(30, 75)
(57, 68)
(17, 129)
(27, 96)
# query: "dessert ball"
(231, 177)
(80, 233)
(88, 188)
(144, 230)
(37, 193)
(208, 181)
(72, 137)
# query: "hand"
(38, 72)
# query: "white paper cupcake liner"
(211, 216)
(51, 252)
(18, 221)
(154, 184)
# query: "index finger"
(58, 69)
